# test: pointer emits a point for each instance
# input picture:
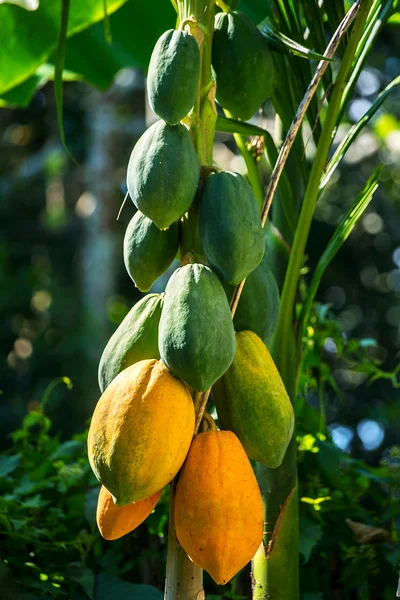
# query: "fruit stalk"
(184, 580)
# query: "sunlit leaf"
(342, 232)
(27, 4)
(354, 132)
(286, 45)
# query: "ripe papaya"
(135, 339)
(219, 515)
(173, 75)
(252, 401)
(258, 308)
(196, 336)
(148, 252)
(230, 226)
(115, 521)
(242, 63)
(140, 432)
(163, 173)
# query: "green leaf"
(342, 232)
(29, 38)
(354, 132)
(58, 71)
(8, 464)
(69, 449)
(310, 534)
(284, 44)
(27, 4)
(108, 588)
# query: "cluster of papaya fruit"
(172, 347)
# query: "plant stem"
(275, 567)
(184, 580)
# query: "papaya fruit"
(163, 173)
(148, 251)
(219, 515)
(173, 75)
(242, 64)
(135, 339)
(252, 401)
(140, 432)
(230, 226)
(115, 521)
(196, 336)
(258, 308)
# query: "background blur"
(64, 289)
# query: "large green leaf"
(28, 38)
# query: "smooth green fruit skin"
(230, 226)
(173, 75)
(196, 334)
(135, 339)
(242, 63)
(258, 308)
(252, 401)
(148, 252)
(163, 173)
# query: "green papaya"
(258, 308)
(173, 75)
(136, 338)
(242, 64)
(252, 401)
(163, 173)
(230, 226)
(148, 252)
(196, 336)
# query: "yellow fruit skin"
(141, 431)
(115, 521)
(252, 401)
(219, 515)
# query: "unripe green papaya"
(252, 401)
(242, 63)
(258, 308)
(173, 75)
(163, 173)
(230, 226)
(148, 252)
(196, 335)
(135, 339)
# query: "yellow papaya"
(115, 521)
(141, 431)
(252, 401)
(219, 515)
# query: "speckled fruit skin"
(230, 226)
(219, 515)
(242, 62)
(140, 432)
(148, 251)
(115, 521)
(173, 75)
(252, 401)
(163, 173)
(196, 337)
(135, 339)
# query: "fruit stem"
(184, 580)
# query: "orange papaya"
(219, 515)
(115, 521)
(141, 431)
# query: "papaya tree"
(230, 329)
